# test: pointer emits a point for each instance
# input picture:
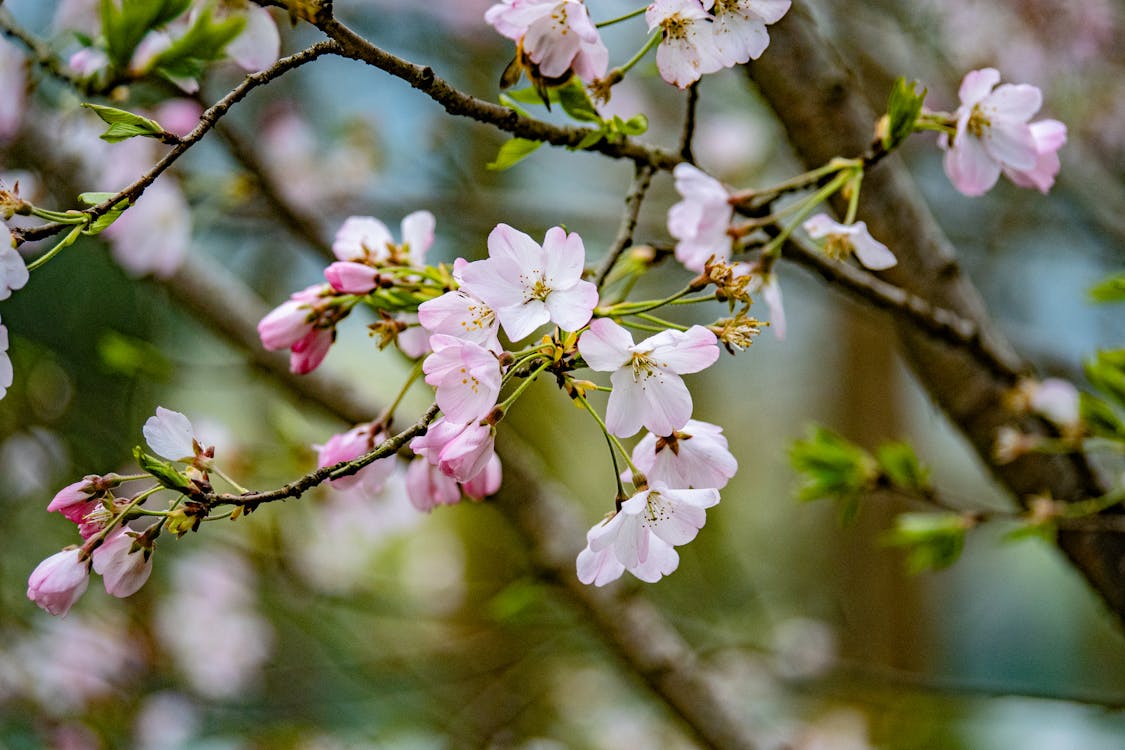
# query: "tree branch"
(633, 199)
(815, 97)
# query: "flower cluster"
(993, 135)
(368, 259)
(704, 36)
(118, 552)
(555, 39)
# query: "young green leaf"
(162, 471)
(512, 152)
(576, 102)
(1109, 290)
(124, 125)
(932, 540)
(901, 466)
(831, 466)
(903, 108)
(125, 24)
(1106, 372)
(204, 42)
(1100, 418)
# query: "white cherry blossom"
(466, 376)
(695, 456)
(700, 221)
(841, 240)
(169, 434)
(528, 285)
(687, 49)
(647, 388)
(13, 271)
(739, 28)
(556, 35)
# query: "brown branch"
(207, 121)
(633, 199)
(687, 134)
(41, 54)
(455, 102)
(817, 101)
(940, 323)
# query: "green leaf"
(162, 471)
(1106, 372)
(125, 24)
(635, 125)
(1100, 418)
(124, 125)
(511, 103)
(831, 466)
(204, 42)
(576, 102)
(133, 357)
(901, 466)
(530, 95)
(903, 108)
(933, 540)
(1109, 290)
(594, 136)
(93, 199)
(512, 152)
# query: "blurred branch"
(815, 96)
(41, 54)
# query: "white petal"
(1014, 102)
(605, 346)
(976, 85)
(571, 308)
(170, 435)
(684, 351)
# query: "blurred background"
(339, 622)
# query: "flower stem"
(389, 412)
(506, 403)
(633, 308)
(773, 247)
(63, 243)
(853, 196)
(619, 19)
(618, 73)
(238, 487)
(800, 181)
(612, 439)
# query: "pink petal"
(684, 352)
(969, 166)
(605, 346)
(564, 256)
(1011, 143)
(976, 85)
(1014, 101)
(570, 309)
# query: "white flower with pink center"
(123, 571)
(466, 376)
(350, 445)
(992, 132)
(461, 451)
(647, 388)
(642, 535)
(556, 35)
(367, 240)
(462, 314)
(740, 27)
(58, 582)
(841, 240)
(700, 221)
(527, 285)
(695, 456)
(687, 49)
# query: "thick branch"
(816, 99)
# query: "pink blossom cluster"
(365, 249)
(121, 555)
(994, 135)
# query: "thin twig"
(688, 132)
(41, 54)
(207, 121)
(633, 199)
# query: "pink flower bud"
(285, 325)
(123, 571)
(461, 451)
(58, 582)
(487, 482)
(351, 278)
(307, 354)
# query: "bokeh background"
(338, 622)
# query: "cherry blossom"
(427, 487)
(413, 340)
(1057, 400)
(1050, 136)
(687, 49)
(647, 388)
(13, 88)
(841, 240)
(556, 36)
(993, 133)
(642, 534)
(6, 373)
(350, 445)
(461, 451)
(700, 221)
(487, 481)
(154, 235)
(349, 277)
(367, 240)
(528, 285)
(739, 28)
(58, 582)
(81, 503)
(259, 44)
(461, 313)
(170, 435)
(123, 570)
(466, 376)
(304, 324)
(695, 456)
(13, 271)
